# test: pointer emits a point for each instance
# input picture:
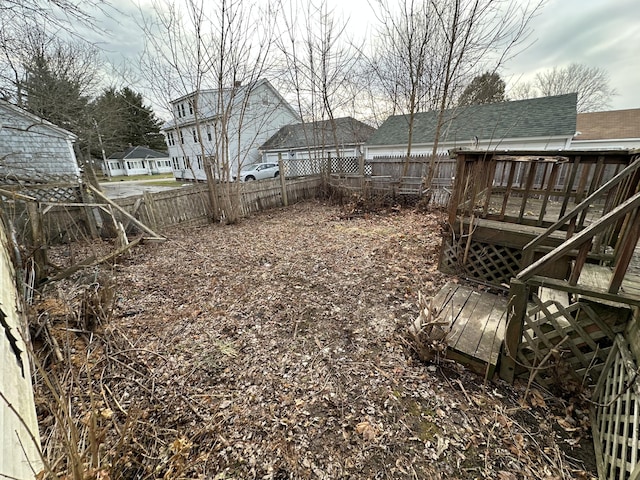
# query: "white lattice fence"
(616, 416)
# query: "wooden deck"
(477, 321)
(598, 277)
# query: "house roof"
(348, 131)
(138, 152)
(536, 117)
(614, 124)
(230, 96)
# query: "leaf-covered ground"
(275, 348)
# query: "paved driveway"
(128, 188)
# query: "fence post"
(283, 183)
(89, 212)
(361, 171)
(150, 207)
(518, 296)
(39, 244)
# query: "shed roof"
(535, 117)
(348, 131)
(614, 124)
(138, 152)
(34, 120)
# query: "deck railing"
(532, 188)
(618, 189)
(617, 229)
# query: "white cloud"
(603, 34)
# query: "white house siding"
(28, 143)
(307, 153)
(18, 454)
(524, 144)
(137, 166)
(610, 144)
(265, 115)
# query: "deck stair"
(476, 321)
(558, 234)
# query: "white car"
(258, 171)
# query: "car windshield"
(250, 167)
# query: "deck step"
(598, 277)
(477, 321)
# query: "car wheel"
(276, 175)
(248, 178)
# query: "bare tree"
(404, 65)
(435, 47)
(522, 90)
(591, 84)
(212, 54)
(21, 20)
(319, 62)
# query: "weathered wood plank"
(494, 330)
(455, 302)
(474, 325)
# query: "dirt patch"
(272, 349)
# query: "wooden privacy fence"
(191, 205)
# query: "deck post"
(458, 186)
(516, 312)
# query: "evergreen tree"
(122, 119)
(485, 88)
(55, 96)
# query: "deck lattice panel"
(616, 416)
(486, 262)
(589, 339)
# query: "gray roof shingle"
(349, 131)
(138, 152)
(535, 117)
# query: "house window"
(187, 162)
(208, 132)
(195, 135)
(182, 110)
(171, 139)
(181, 137)
(190, 107)
(199, 162)
(176, 164)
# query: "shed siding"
(28, 145)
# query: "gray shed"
(30, 145)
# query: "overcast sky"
(599, 33)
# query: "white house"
(224, 126)
(546, 123)
(137, 161)
(30, 145)
(614, 129)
